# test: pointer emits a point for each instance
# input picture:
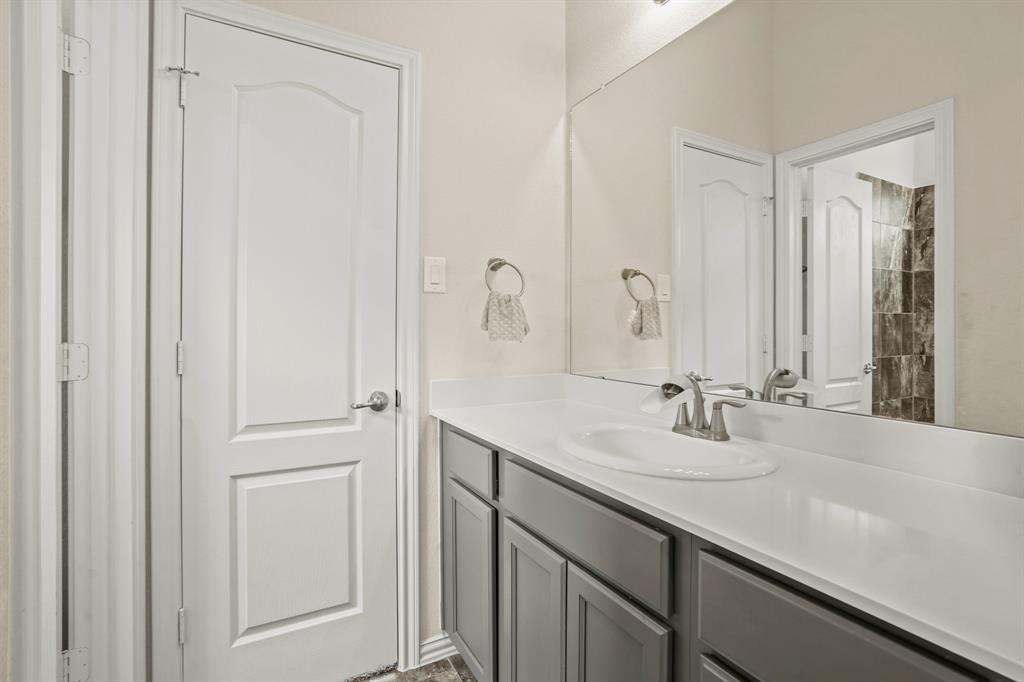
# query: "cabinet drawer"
(470, 462)
(634, 557)
(773, 633)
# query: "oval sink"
(659, 452)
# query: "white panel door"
(840, 297)
(720, 291)
(288, 316)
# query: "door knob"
(869, 367)
(378, 402)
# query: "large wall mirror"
(815, 203)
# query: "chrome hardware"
(717, 431)
(695, 425)
(869, 367)
(748, 392)
(182, 70)
(628, 274)
(495, 264)
(780, 377)
(795, 395)
(378, 402)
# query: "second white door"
(288, 317)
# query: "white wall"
(604, 38)
(493, 184)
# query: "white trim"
(108, 142)
(436, 648)
(687, 138)
(35, 613)
(937, 117)
(168, 49)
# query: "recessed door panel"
(298, 174)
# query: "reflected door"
(288, 316)
(721, 288)
(840, 298)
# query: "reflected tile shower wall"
(903, 308)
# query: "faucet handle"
(748, 392)
(697, 377)
(718, 430)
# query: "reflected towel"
(504, 318)
(646, 320)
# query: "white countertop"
(942, 561)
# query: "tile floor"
(451, 669)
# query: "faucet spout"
(695, 424)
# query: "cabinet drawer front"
(470, 462)
(713, 671)
(634, 557)
(775, 634)
(610, 640)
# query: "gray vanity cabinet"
(610, 640)
(532, 608)
(470, 575)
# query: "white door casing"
(840, 297)
(288, 316)
(722, 265)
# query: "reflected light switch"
(434, 274)
(664, 287)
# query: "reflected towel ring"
(495, 264)
(628, 274)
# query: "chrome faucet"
(696, 425)
(780, 377)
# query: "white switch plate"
(435, 275)
(664, 287)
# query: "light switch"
(664, 287)
(434, 275)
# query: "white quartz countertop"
(942, 561)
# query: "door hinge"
(765, 203)
(179, 357)
(182, 84)
(764, 343)
(76, 55)
(75, 665)
(74, 361)
(806, 343)
(181, 625)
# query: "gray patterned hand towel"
(646, 320)
(504, 318)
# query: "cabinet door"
(610, 640)
(533, 609)
(470, 577)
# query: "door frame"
(165, 313)
(35, 334)
(682, 138)
(788, 301)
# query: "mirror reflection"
(837, 229)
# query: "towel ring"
(628, 274)
(495, 264)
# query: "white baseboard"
(436, 648)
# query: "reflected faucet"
(780, 377)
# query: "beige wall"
(492, 184)
(716, 82)
(5, 349)
(902, 55)
(604, 38)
